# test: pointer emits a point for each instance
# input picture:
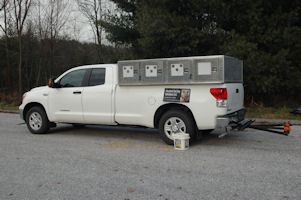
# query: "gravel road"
(127, 163)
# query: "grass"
(271, 113)
(11, 107)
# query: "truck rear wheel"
(37, 120)
(174, 122)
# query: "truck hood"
(38, 89)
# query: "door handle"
(77, 92)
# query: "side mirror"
(52, 84)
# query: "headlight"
(23, 97)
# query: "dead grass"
(9, 101)
(11, 98)
(11, 106)
(271, 113)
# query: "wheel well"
(29, 106)
(162, 109)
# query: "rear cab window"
(97, 77)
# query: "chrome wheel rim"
(35, 121)
(174, 125)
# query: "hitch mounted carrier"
(278, 128)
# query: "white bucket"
(181, 141)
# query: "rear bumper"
(226, 120)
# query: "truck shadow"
(236, 138)
(138, 134)
(114, 132)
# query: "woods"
(265, 34)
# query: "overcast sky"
(77, 26)
(79, 22)
(86, 33)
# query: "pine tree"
(121, 26)
(176, 28)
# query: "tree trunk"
(51, 58)
(98, 29)
(98, 43)
(38, 75)
(20, 64)
(8, 60)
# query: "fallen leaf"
(130, 190)
(235, 195)
(59, 182)
(145, 167)
(180, 188)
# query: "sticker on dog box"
(176, 95)
(204, 68)
(177, 69)
(151, 70)
(128, 71)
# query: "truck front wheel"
(36, 120)
(174, 122)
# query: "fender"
(29, 105)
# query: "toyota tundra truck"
(174, 95)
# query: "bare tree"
(4, 10)
(76, 30)
(21, 9)
(56, 14)
(92, 10)
(2, 4)
(50, 17)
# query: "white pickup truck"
(100, 94)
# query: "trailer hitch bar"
(273, 128)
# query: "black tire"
(42, 123)
(182, 115)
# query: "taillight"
(219, 93)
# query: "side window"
(97, 76)
(73, 79)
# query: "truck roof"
(95, 66)
(177, 58)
